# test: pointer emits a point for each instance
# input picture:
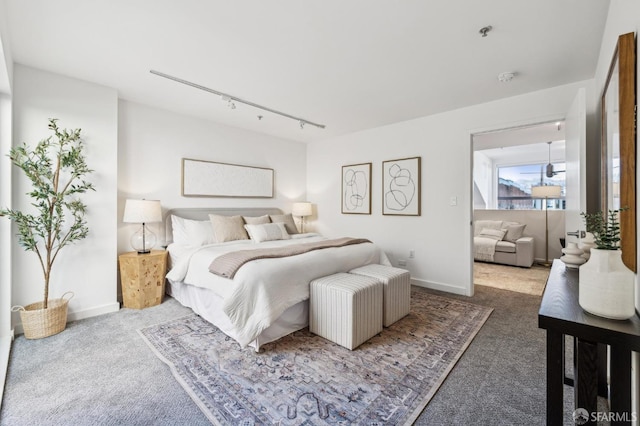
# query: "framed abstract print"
(401, 187)
(356, 189)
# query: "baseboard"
(5, 350)
(440, 286)
(86, 313)
(93, 312)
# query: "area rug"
(303, 379)
(523, 280)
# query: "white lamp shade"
(301, 209)
(546, 191)
(142, 211)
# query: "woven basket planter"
(38, 323)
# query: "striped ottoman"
(397, 289)
(346, 308)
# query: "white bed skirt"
(208, 305)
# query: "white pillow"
(494, 234)
(191, 232)
(479, 225)
(267, 232)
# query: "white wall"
(5, 225)
(152, 143)
(441, 237)
(6, 329)
(483, 170)
(88, 267)
(6, 61)
(6, 70)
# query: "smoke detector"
(485, 30)
(505, 77)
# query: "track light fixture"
(231, 100)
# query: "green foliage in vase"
(56, 168)
(606, 230)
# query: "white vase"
(586, 244)
(572, 256)
(606, 285)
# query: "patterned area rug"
(523, 280)
(303, 379)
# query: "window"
(515, 182)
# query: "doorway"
(507, 164)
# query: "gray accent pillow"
(228, 228)
(287, 219)
(514, 231)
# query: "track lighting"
(231, 100)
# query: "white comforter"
(263, 289)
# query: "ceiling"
(528, 144)
(350, 65)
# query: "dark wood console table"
(561, 315)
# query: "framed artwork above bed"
(202, 178)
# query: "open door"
(575, 158)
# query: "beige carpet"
(523, 280)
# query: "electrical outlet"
(402, 262)
(412, 254)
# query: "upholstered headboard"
(202, 213)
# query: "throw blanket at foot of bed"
(228, 264)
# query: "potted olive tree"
(606, 285)
(56, 168)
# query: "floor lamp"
(546, 192)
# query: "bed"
(267, 298)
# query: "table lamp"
(142, 211)
(302, 210)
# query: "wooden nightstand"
(142, 277)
